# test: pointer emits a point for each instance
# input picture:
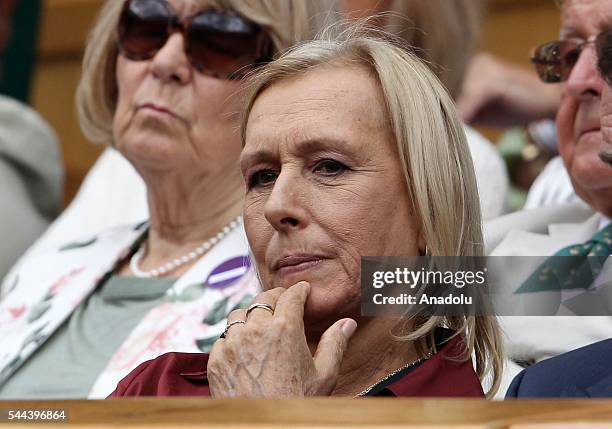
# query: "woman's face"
(171, 117)
(325, 187)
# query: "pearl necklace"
(178, 262)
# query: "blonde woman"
(162, 84)
(351, 148)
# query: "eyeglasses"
(218, 43)
(555, 60)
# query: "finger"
(290, 305)
(330, 352)
(239, 314)
(216, 350)
(232, 322)
(269, 297)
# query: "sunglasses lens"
(604, 55)
(143, 28)
(223, 44)
(554, 60)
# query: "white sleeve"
(491, 175)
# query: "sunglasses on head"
(555, 60)
(218, 43)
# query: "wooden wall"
(511, 28)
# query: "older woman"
(161, 83)
(352, 148)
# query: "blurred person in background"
(162, 84)
(31, 173)
(444, 34)
(499, 93)
(351, 147)
(573, 229)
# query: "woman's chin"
(323, 308)
(155, 153)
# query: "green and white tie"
(574, 267)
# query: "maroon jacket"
(184, 374)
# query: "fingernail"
(349, 327)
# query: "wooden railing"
(318, 413)
(321, 413)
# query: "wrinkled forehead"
(327, 93)
(585, 18)
(337, 106)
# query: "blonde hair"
(435, 157)
(443, 33)
(287, 22)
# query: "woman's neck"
(185, 213)
(372, 354)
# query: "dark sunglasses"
(555, 60)
(218, 43)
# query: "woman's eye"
(330, 167)
(262, 178)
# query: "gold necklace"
(388, 376)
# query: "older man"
(574, 228)
(586, 372)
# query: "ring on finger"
(266, 307)
(229, 325)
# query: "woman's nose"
(170, 63)
(285, 206)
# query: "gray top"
(31, 179)
(69, 363)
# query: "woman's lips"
(163, 111)
(297, 263)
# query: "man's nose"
(585, 81)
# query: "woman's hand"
(269, 357)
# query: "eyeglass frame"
(579, 47)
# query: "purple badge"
(228, 273)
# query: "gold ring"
(266, 307)
(229, 325)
